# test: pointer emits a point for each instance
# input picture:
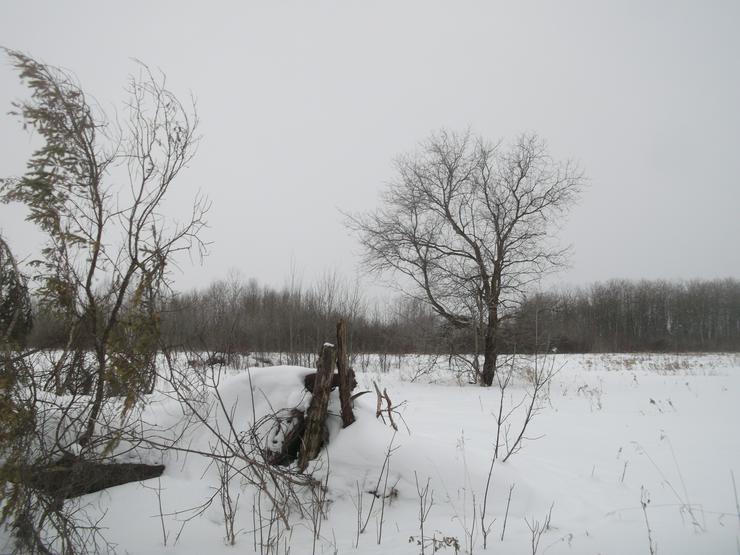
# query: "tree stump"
(346, 376)
(313, 437)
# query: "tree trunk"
(489, 366)
(97, 400)
(345, 379)
(313, 437)
(490, 349)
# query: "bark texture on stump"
(313, 437)
(346, 376)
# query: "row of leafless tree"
(234, 315)
(622, 315)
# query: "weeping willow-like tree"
(95, 188)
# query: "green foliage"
(62, 184)
(65, 165)
(134, 344)
(15, 303)
(18, 415)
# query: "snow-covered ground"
(628, 453)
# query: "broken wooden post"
(317, 410)
(345, 376)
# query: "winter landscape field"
(381, 278)
(626, 453)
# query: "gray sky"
(305, 104)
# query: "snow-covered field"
(629, 454)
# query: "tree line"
(236, 315)
(612, 316)
(626, 316)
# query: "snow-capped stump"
(344, 378)
(313, 436)
(291, 433)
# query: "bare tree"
(468, 225)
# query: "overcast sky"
(304, 105)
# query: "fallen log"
(70, 477)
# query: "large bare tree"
(469, 225)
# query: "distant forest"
(615, 316)
(626, 316)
